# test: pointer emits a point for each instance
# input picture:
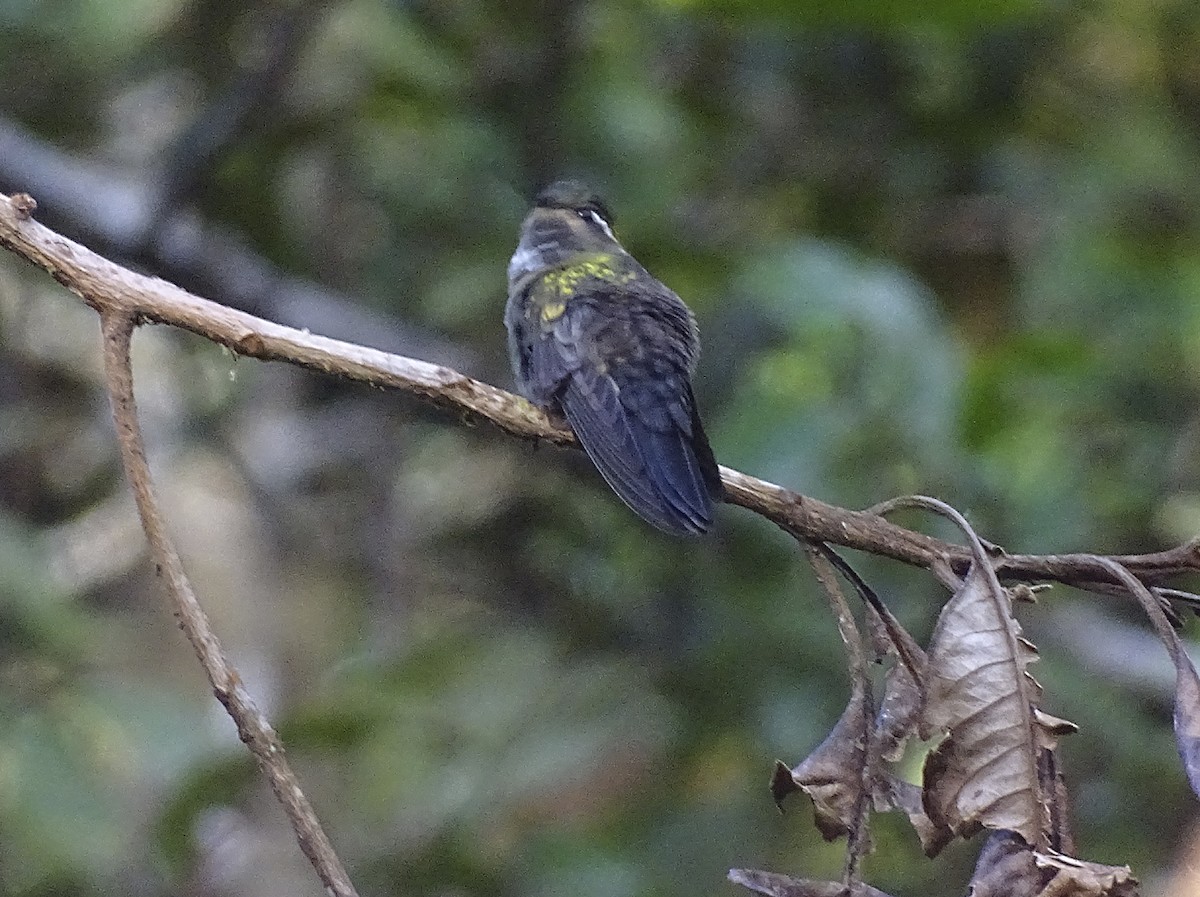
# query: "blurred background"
(944, 246)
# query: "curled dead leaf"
(832, 775)
(892, 793)
(1187, 683)
(1009, 867)
(772, 884)
(1187, 718)
(782, 783)
(1053, 726)
(1078, 878)
(899, 712)
(1006, 868)
(984, 773)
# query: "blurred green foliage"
(940, 247)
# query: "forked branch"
(253, 728)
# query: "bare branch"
(253, 728)
(128, 216)
(109, 287)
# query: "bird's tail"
(649, 447)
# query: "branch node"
(24, 205)
(250, 343)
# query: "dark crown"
(575, 196)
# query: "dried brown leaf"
(1187, 702)
(892, 793)
(899, 713)
(782, 783)
(896, 721)
(772, 884)
(1187, 717)
(1053, 727)
(1077, 878)
(832, 775)
(1187, 683)
(984, 773)
(1059, 835)
(1054, 791)
(1008, 867)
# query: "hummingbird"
(595, 338)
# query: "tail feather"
(709, 469)
(663, 473)
(672, 465)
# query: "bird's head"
(567, 219)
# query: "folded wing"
(647, 444)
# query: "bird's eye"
(593, 216)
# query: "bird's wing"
(620, 450)
(660, 415)
(635, 417)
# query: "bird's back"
(600, 340)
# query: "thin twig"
(104, 285)
(858, 840)
(908, 652)
(253, 728)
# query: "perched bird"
(595, 338)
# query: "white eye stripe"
(597, 219)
